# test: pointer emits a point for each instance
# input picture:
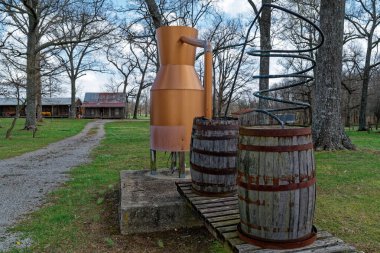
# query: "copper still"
(177, 95)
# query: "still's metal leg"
(181, 165)
(173, 164)
(153, 162)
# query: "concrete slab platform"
(152, 203)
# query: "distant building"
(104, 105)
(8, 107)
(51, 107)
(59, 107)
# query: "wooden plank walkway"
(221, 215)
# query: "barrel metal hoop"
(274, 132)
(277, 188)
(215, 138)
(254, 202)
(215, 127)
(276, 148)
(214, 194)
(278, 244)
(214, 153)
(213, 171)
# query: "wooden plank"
(187, 190)
(226, 229)
(185, 185)
(224, 217)
(245, 248)
(221, 213)
(197, 197)
(217, 204)
(323, 234)
(217, 209)
(230, 235)
(235, 241)
(198, 202)
(225, 223)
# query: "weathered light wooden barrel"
(213, 155)
(276, 186)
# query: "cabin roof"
(104, 99)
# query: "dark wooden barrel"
(213, 155)
(276, 186)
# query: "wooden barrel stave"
(289, 214)
(213, 155)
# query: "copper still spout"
(177, 95)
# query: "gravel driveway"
(26, 179)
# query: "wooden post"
(153, 162)
(181, 165)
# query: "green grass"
(22, 141)
(348, 202)
(59, 225)
(348, 197)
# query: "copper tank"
(177, 95)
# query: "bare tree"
(80, 57)
(364, 17)
(121, 58)
(328, 131)
(37, 20)
(142, 65)
(226, 60)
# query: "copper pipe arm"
(208, 70)
(197, 43)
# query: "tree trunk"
(328, 131)
(38, 88)
(31, 73)
(265, 44)
(154, 13)
(364, 96)
(137, 102)
(73, 97)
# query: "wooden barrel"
(276, 186)
(213, 155)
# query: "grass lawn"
(50, 130)
(77, 218)
(348, 195)
(80, 217)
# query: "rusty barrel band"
(213, 171)
(214, 153)
(277, 188)
(249, 201)
(274, 132)
(215, 138)
(278, 244)
(292, 148)
(215, 127)
(214, 194)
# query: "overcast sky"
(95, 82)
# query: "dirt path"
(26, 179)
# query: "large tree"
(328, 131)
